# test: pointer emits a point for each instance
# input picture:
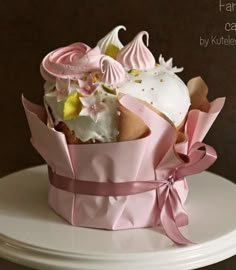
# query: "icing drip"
(136, 54)
(112, 71)
(111, 44)
(70, 62)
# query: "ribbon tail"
(179, 213)
(170, 227)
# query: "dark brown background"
(29, 29)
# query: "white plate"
(33, 235)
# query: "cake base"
(31, 234)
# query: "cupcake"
(120, 133)
(83, 86)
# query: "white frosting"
(163, 90)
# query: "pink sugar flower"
(92, 106)
(87, 87)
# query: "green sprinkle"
(109, 90)
(134, 72)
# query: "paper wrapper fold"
(153, 159)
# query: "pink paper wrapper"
(152, 160)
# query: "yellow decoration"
(138, 81)
(84, 78)
(72, 106)
(112, 50)
(134, 72)
(95, 77)
(109, 90)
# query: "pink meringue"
(136, 55)
(70, 62)
(112, 71)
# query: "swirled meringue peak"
(110, 44)
(70, 62)
(112, 71)
(135, 55)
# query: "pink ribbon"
(172, 212)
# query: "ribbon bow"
(172, 212)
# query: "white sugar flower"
(60, 90)
(168, 65)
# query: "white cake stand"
(31, 234)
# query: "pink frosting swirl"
(70, 62)
(136, 55)
(112, 71)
